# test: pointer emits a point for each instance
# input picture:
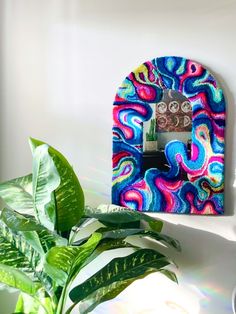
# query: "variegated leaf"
(16, 194)
(45, 181)
(24, 251)
(109, 233)
(123, 233)
(120, 269)
(30, 229)
(25, 182)
(16, 252)
(69, 195)
(64, 263)
(121, 217)
(107, 245)
(17, 279)
(19, 222)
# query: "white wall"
(60, 64)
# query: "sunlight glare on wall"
(154, 294)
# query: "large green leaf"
(16, 194)
(107, 245)
(104, 294)
(120, 269)
(25, 182)
(17, 279)
(45, 180)
(19, 222)
(108, 233)
(64, 263)
(123, 233)
(122, 217)
(25, 250)
(14, 252)
(37, 235)
(111, 244)
(111, 291)
(69, 197)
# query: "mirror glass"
(171, 120)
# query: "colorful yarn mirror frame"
(165, 191)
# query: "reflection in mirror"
(171, 120)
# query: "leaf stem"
(71, 308)
(71, 240)
(56, 213)
(62, 299)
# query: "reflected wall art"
(168, 139)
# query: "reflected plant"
(151, 135)
(43, 247)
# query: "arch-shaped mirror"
(168, 139)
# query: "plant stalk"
(62, 300)
(71, 308)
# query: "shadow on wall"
(207, 262)
(230, 172)
(7, 301)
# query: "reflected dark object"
(158, 160)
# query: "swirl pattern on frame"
(156, 190)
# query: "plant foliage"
(151, 135)
(43, 246)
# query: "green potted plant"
(151, 137)
(43, 245)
